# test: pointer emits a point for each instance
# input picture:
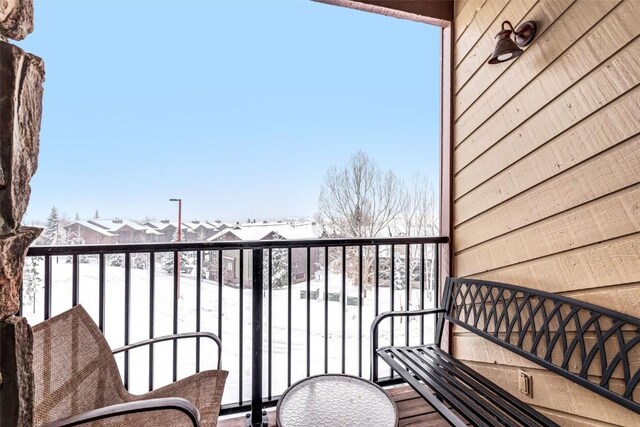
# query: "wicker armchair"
(77, 381)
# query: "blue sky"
(237, 107)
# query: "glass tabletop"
(336, 400)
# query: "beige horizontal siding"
(517, 96)
(559, 394)
(612, 170)
(544, 15)
(547, 175)
(615, 123)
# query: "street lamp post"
(177, 266)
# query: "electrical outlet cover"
(525, 383)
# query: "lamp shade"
(506, 49)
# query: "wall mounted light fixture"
(506, 48)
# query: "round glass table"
(336, 400)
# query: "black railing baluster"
(47, 286)
(75, 280)
(220, 284)
(344, 308)
(407, 290)
(176, 296)
(376, 297)
(270, 320)
(308, 272)
(241, 326)
(198, 304)
(376, 292)
(288, 317)
(152, 307)
(101, 291)
(127, 313)
(422, 292)
(256, 338)
(360, 268)
(326, 309)
(392, 286)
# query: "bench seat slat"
(482, 402)
(467, 398)
(489, 387)
(499, 398)
(426, 394)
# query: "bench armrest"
(381, 317)
(162, 404)
(176, 337)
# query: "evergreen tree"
(31, 280)
(278, 268)
(52, 230)
(167, 259)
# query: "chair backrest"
(590, 345)
(74, 369)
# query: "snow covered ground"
(163, 324)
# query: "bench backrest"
(589, 345)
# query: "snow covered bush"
(140, 261)
(116, 260)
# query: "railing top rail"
(228, 245)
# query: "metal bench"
(582, 342)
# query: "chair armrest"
(381, 317)
(161, 404)
(175, 337)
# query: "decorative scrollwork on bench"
(593, 346)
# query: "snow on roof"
(91, 226)
(222, 224)
(152, 231)
(161, 225)
(299, 231)
(196, 224)
(260, 231)
(114, 225)
(158, 225)
(240, 234)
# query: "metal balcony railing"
(312, 315)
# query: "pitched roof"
(90, 226)
(161, 225)
(262, 231)
(197, 224)
(114, 225)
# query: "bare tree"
(359, 200)
(419, 216)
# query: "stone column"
(21, 79)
